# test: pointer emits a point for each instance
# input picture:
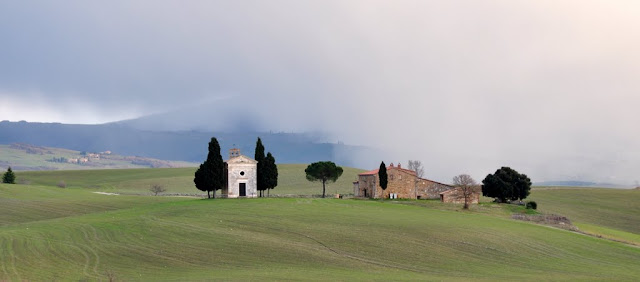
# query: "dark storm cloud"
(547, 87)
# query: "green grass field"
(50, 233)
(611, 213)
(73, 234)
(291, 180)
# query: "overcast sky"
(550, 88)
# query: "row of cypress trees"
(267, 169)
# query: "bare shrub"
(157, 188)
(110, 275)
(467, 184)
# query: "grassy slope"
(291, 180)
(149, 238)
(613, 213)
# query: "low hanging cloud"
(549, 88)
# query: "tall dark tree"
(270, 172)
(261, 177)
(9, 177)
(506, 184)
(382, 174)
(210, 175)
(323, 171)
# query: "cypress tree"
(271, 172)
(382, 174)
(210, 175)
(9, 177)
(260, 175)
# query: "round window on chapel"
(242, 173)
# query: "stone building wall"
(428, 189)
(241, 169)
(456, 196)
(402, 182)
(367, 185)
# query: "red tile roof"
(375, 171)
(371, 172)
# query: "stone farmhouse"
(241, 176)
(456, 195)
(401, 183)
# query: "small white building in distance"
(241, 176)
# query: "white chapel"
(241, 176)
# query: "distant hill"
(189, 146)
(22, 156)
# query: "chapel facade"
(241, 176)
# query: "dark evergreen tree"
(522, 187)
(9, 177)
(200, 179)
(506, 184)
(210, 175)
(382, 174)
(270, 172)
(261, 177)
(323, 171)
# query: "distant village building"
(402, 183)
(241, 176)
(456, 195)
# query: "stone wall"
(456, 196)
(241, 170)
(401, 182)
(367, 185)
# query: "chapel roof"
(241, 159)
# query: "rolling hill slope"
(168, 238)
(611, 213)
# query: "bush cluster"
(532, 205)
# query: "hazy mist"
(550, 88)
